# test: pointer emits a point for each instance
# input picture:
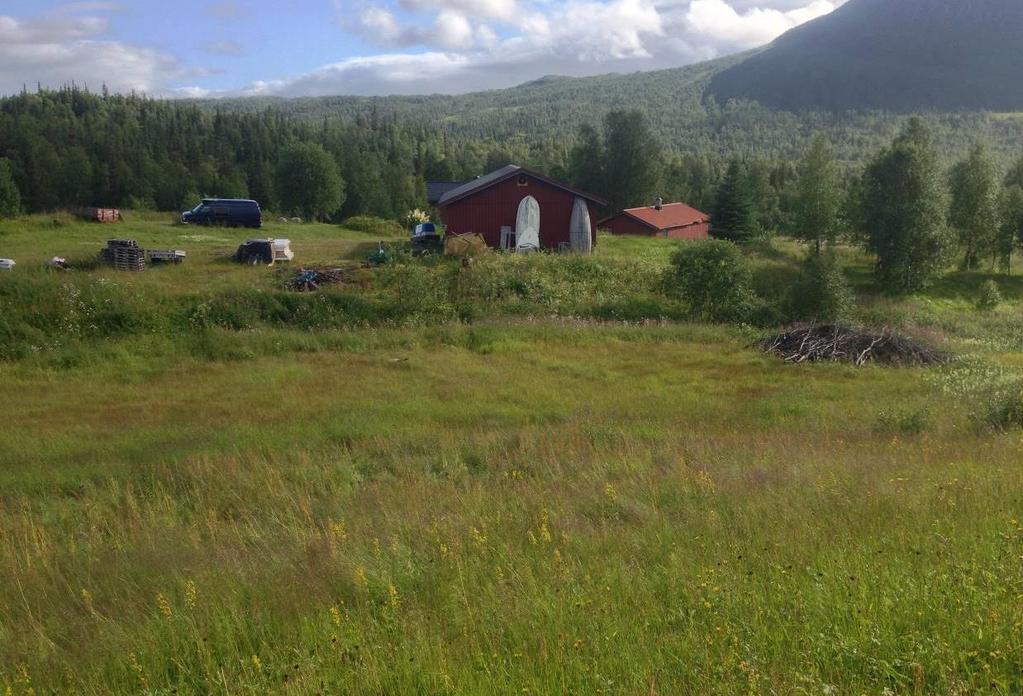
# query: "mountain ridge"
(896, 56)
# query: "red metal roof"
(670, 215)
(503, 174)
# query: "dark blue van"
(229, 212)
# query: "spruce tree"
(733, 217)
(586, 161)
(632, 160)
(10, 198)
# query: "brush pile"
(833, 342)
(312, 279)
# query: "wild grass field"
(211, 485)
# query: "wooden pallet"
(124, 257)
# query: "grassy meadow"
(529, 476)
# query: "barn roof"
(435, 190)
(503, 174)
(670, 216)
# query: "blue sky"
(319, 47)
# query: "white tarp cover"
(579, 228)
(282, 250)
(527, 225)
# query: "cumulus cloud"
(450, 30)
(59, 48)
(480, 44)
(414, 46)
(720, 22)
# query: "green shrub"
(377, 227)
(990, 296)
(821, 292)
(713, 278)
(1005, 410)
(911, 422)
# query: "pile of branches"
(834, 342)
(312, 279)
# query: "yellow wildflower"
(163, 605)
(191, 594)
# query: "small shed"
(674, 220)
(491, 205)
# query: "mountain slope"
(896, 55)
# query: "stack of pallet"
(124, 255)
(101, 214)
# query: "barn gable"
(489, 206)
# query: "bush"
(713, 278)
(1005, 411)
(911, 422)
(990, 296)
(377, 227)
(821, 293)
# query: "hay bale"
(465, 245)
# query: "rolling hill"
(895, 55)
(681, 110)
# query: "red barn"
(489, 206)
(675, 220)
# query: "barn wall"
(487, 211)
(698, 231)
(623, 224)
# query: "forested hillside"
(69, 147)
(678, 108)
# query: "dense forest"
(70, 147)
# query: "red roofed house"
(489, 206)
(675, 220)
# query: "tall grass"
(466, 480)
(548, 507)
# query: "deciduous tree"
(309, 182)
(817, 200)
(903, 212)
(974, 211)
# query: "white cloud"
(450, 30)
(719, 21)
(482, 44)
(424, 45)
(482, 9)
(57, 49)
